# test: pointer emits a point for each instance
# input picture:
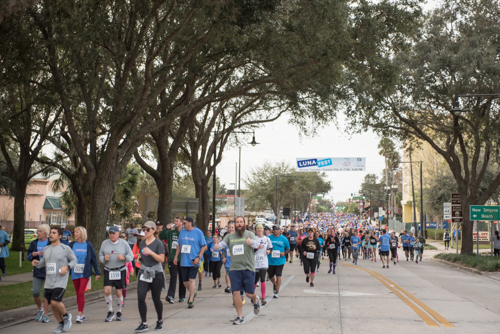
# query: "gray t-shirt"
(156, 246)
(121, 247)
(55, 258)
(242, 255)
(132, 239)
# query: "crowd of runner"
(250, 257)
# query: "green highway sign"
(317, 197)
(358, 198)
(484, 212)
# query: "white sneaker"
(79, 319)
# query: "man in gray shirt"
(114, 253)
(58, 259)
(132, 234)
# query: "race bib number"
(147, 280)
(174, 244)
(292, 238)
(238, 250)
(275, 254)
(393, 244)
(310, 255)
(215, 254)
(50, 269)
(332, 246)
(412, 243)
(115, 275)
(228, 252)
(259, 258)
(78, 269)
(186, 249)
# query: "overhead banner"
(331, 164)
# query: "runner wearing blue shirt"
(277, 259)
(66, 236)
(292, 240)
(404, 241)
(215, 261)
(385, 246)
(191, 245)
(411, 244)
(227, 258)
(355, 242)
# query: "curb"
(464, 268)
(22, 314)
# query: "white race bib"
(332, 246)
(393, 244)
(215, 254)
(50, 268)
(78, 269)
(259, 258)
(238, 250)
(115, 275)
(186, 249)
(228, 252)
(310, 255)
(275, 254)
(147, 280)
(174, 244)
(292, 238)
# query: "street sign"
(456, 220)
(445, 204)
(446, 217)
(380, 210)
(457, 212)
(483, 236)
(357, 198)
(484, 212)
(447, 210)
(317, 197)
(455, 199)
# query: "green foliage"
(125, 191)
(483, 263)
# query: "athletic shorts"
(55, 294)
(200, 268)
(406, 248)
(384, 253)
(293, 247)
(242, 280)
(118, 284)
(373, 246)
(275, 271)
(188, 273)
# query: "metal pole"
(422, 225)
(213, 191)
(477, 239)
(276, 198)
(413, 197)
(239, 176)
(491, 237)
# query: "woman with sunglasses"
(150, 277)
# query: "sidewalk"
(16, 279)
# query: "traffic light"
(363, 197)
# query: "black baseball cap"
(276, 228)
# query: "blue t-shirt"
(355, 240)
(80, 250)
(65, 237)
(403, 239)
(215, 255)
(227, 251)
(321, 242)
(40, 246)
(4, 251)
(385, 242)
(280, 243)
(292, 235)
(190, 243)
(411, 241)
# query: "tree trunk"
(19, 214)
(165, 190)
(203, 215)
(81, 212)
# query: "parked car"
(29, 235)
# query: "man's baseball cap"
(310, 229)
(276, 228)
(113, 229)
(189, 219)
(267, 228)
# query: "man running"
(58, 259)
(394, 247)
(280, 247)
(385, 245)
(421, 244)
(411, 246)
(242, 244)
(172, 237)
(404, 241)
(308, 249)
(355, 242)
(191, 247)
(292, 240)
(115, 253)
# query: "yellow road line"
(436, 315)
(424, 316)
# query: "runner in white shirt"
(261, 262)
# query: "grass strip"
(483, 263)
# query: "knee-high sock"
(331, 265)
(119, 302)
(109, 302)
(263, 289)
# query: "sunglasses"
(147, 229)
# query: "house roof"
(52, 203)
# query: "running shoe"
(209, 274)
(274, 288)
(267, 278)
(311, 285)
(375, 260)
(227, 290)
(371, 260)
(258, 284)
(307, 279)
(416, 262)
(394, 262)
(169, 299)
(276, 295)
(79, 319)
(329, 271)
(219, 285)
(123, 304)
(119, 316)
(190, 304)
(59, 329)
(110, 316)
(206, 274)
(387, 266)
(67, 322)
(142, 328)
(45, 318)
(243, 300)
(383, 267)
(239, 321)
(159, 326)
(38, 315)
(215, 285)
(199, 287)
(263, 302)
(181, 300)
(256, 305)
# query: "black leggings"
(309, 264)
(206, 263)
(447, 243)
(142, 290)
(332, 254)
(394, 253)
(2, 264)
(260, 274)
(496, 252)
(215, 269)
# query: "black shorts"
(406, 248)
(55, 294)
(275, 270)
(188, 273)
(384, 253)
(117, 283)
(260, 274)
(293, 247)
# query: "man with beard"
(242, 271)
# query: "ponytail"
(497, 234)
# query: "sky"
(278, 141)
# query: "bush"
(483, 263)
